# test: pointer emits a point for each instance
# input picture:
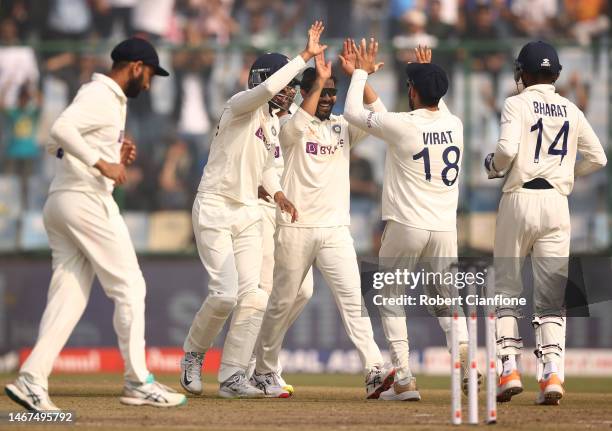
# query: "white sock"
(509, 364)
(549, 368)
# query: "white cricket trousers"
(535, 222)
(228, 237)
(403, 247)
(268, 213)
(88, 237)
(332, 250)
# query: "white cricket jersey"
(541, 133)
(90, 128)
(424, 152)
(279, 163)
(316, 176)
(243, 148)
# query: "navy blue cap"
(265, 66)
(536, 56)
(428, 79)
(138, 49)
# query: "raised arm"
(589, 147)
(252, 99)
(375, 123)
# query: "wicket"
(491, 372)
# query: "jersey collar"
(110, 83)
(542, 88)
(426, 113)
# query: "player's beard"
(134, 86)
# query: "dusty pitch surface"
(321, 402)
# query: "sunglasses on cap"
(331, 92)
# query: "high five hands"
(366, 56)
(314, 46)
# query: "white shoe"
(191, 372)
(237, 386)
(151, 393)
(378, 380)
(551, 391)
(30, 395)
(271, 384)
(399, 392)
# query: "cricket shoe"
(151, 393)
(465, 369)
(30, 395)
(191, 372)
(509, 385)
(378, 380)
(399, 392)
(551, 391)
(270, 384)
(238, 386)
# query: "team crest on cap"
(337, 128)
(545, 63)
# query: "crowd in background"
(49, 48)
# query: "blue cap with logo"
(429, 80)
(537, 56)
(138, 49)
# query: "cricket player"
(88, 236)
(316, 146)
(268, 214)
(227, 222)
(420, 191)
(541, 134)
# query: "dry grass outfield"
(321, 402)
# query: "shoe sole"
(508, 393)
(13, 393)
(551, 398)
(283, 395)
(404, 396)
(189, 390)
(140, 402)
(227, 395)
(386, 384)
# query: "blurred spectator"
(20, 12)
(490, 59)
(588, 19)
(444, 33)
(363, 185)
(577, 91)
(413, 35)
(152, 18)
(69, 20)
(367, 17)
(535, 18)
(193, 66)
(113, 16)
(397, 10)
(17, 63)
(175, 178)
(22, 126)
(211, 19)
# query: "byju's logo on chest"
(312, 148)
